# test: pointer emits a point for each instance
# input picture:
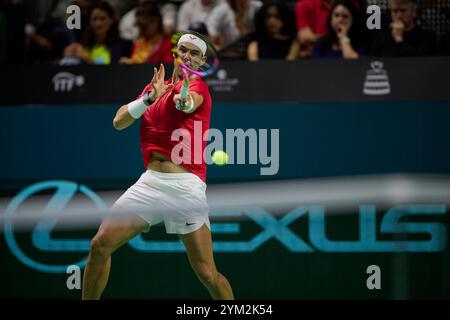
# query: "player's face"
(191, 55)
(100, 22)
(341, 17)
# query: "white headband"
(196, 41)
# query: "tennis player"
(179, 188)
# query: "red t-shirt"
(313, 14)
(160, 122)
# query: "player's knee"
(99, 248)
(207, 275)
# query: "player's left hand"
(159, 87)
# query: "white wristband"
(137, 108)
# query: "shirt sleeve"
(199, 87)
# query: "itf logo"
(64, 192)
(65, 81)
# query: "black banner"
(408, 79)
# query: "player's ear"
(204, 58)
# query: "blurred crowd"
(139, 31)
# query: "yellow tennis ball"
(220, 158)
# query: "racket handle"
(184, 90)
(183, 94)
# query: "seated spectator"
(46, 43)
(130, 31)
(152, 45)
(311, 17)
(343, 39)
(231, 20)
(194, 11)
(45, 29)
(100, 43)
(403, 37)
(275, 36)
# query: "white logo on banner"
(377, 81)
(65, 81)
(221, 83)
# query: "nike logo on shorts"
(189, 224)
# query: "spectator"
(194, 11)
(152, 45)
(46, 43)
(101, 43)
(403, 37)
(275, 33)
(343, 39)
(312, 17)
(231, 20)
(130, 31)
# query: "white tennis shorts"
(178, 199)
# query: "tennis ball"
(220, 158)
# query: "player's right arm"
(123, 119)
(129, 113)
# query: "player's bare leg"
(199, 250)
(112, 234)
